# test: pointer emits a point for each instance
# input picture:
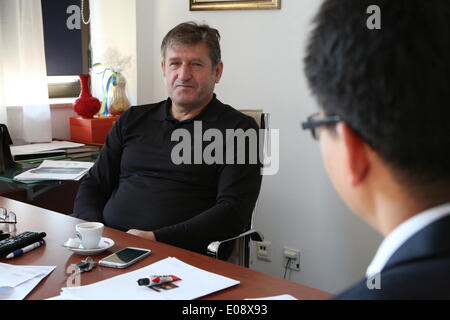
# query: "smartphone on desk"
(125, 257)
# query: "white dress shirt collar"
(403, 232)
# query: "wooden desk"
(59, 227)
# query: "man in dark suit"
(384, 94)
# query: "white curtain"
(23, 77)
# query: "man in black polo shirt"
(135, 185)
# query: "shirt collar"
(209, 113)
(397, 237)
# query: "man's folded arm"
(90, 201)
(96, 189)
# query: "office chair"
(241, 250)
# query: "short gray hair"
(191, 33)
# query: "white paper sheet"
(195, 283)
(42, 147)
(16, 282)
(56, 170)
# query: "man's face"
(189, 75)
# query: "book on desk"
(56, 150)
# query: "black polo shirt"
(134, 183)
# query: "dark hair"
(392, 86)
(191, 33)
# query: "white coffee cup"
(89, 234)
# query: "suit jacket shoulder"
(419, 269)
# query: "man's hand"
(143, 234)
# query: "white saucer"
(104, 244)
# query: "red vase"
(86, 105)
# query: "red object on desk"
(86, 105)
(92, 130)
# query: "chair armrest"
(213, 247)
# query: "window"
(67, 42)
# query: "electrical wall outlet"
(263, 250)
(291, 258)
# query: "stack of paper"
(17, 281)
(195, 283)
(42, 150)
(56, 170)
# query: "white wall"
(61, 114)
(262, 52)
(145, 51)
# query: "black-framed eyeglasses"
(315, 121)
(8, 217)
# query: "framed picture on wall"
(233, 4)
